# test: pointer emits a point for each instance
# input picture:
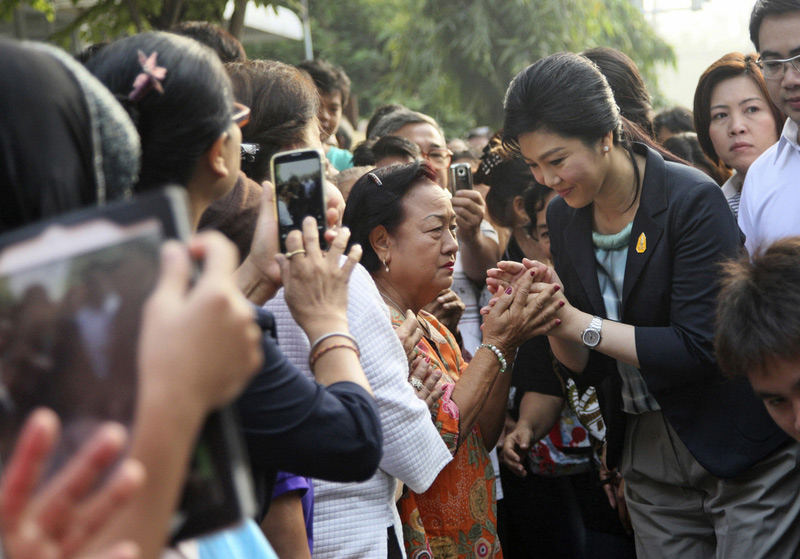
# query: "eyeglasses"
(774, 69)
(241, 114)
(438, 157)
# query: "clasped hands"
(544, 281)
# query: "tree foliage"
(454, 59)
(450, 59)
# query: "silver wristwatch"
(591, 336)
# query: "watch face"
(591, 337)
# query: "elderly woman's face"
(424, 246)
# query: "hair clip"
(249, 152)
(150, 78)
(375, 178)
(489, 161)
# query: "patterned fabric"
(457, 516)
(732, 189)
(566, 450)
(611, 252)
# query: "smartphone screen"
(299, 191)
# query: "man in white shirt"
(770, 203)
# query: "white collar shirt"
(770, 205)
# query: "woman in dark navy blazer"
(636, 241)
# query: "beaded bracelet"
(314, 358)
(324, 337)
(499, 354)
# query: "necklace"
(392, 301)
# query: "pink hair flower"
(150, 78)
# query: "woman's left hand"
(315, 286)
(410, 335)
(447, 308)
(424, 378)
(507, 272)
(59, 519)
(259, 276)
(521, 312)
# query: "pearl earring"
(606, 148)
(385, 265)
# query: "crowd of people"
(594, 353)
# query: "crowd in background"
(592, 351)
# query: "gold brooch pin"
(641, 244)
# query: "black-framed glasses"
(775, 68)
(241, 114)
(438, 157)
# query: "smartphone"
(460, 177)
(299, 191)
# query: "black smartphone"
(299, 191)
(460, 177)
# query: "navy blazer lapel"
(646, 231)
(579, 246)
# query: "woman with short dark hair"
(406, 224)
(735, 119)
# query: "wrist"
(499, 354)
(253, 284)
(321, 326)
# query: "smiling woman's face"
(423, 247)
(567, 165)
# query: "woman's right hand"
(515, 449)
(523, 311)
(315, 285)
(508, 272)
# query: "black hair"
(395, 146)
(84, 55)
(283, 103)
(534, 199)
(362, 154)
(381, 112)
(566, 94)
(329, 78)
(627, 85)
(227, 47)
(372, 203)
(674, 119)
(369, 152)
(758, 309)
(687, 146)
(764, 8)
(506, 181)
(177, 126)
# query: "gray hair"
(395, 120)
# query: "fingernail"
(427, 359)
(556, 288)
(508, 291)
(561, 303)
(533, 272)
(558, 321)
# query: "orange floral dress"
(457, 516)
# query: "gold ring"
(294, 252)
